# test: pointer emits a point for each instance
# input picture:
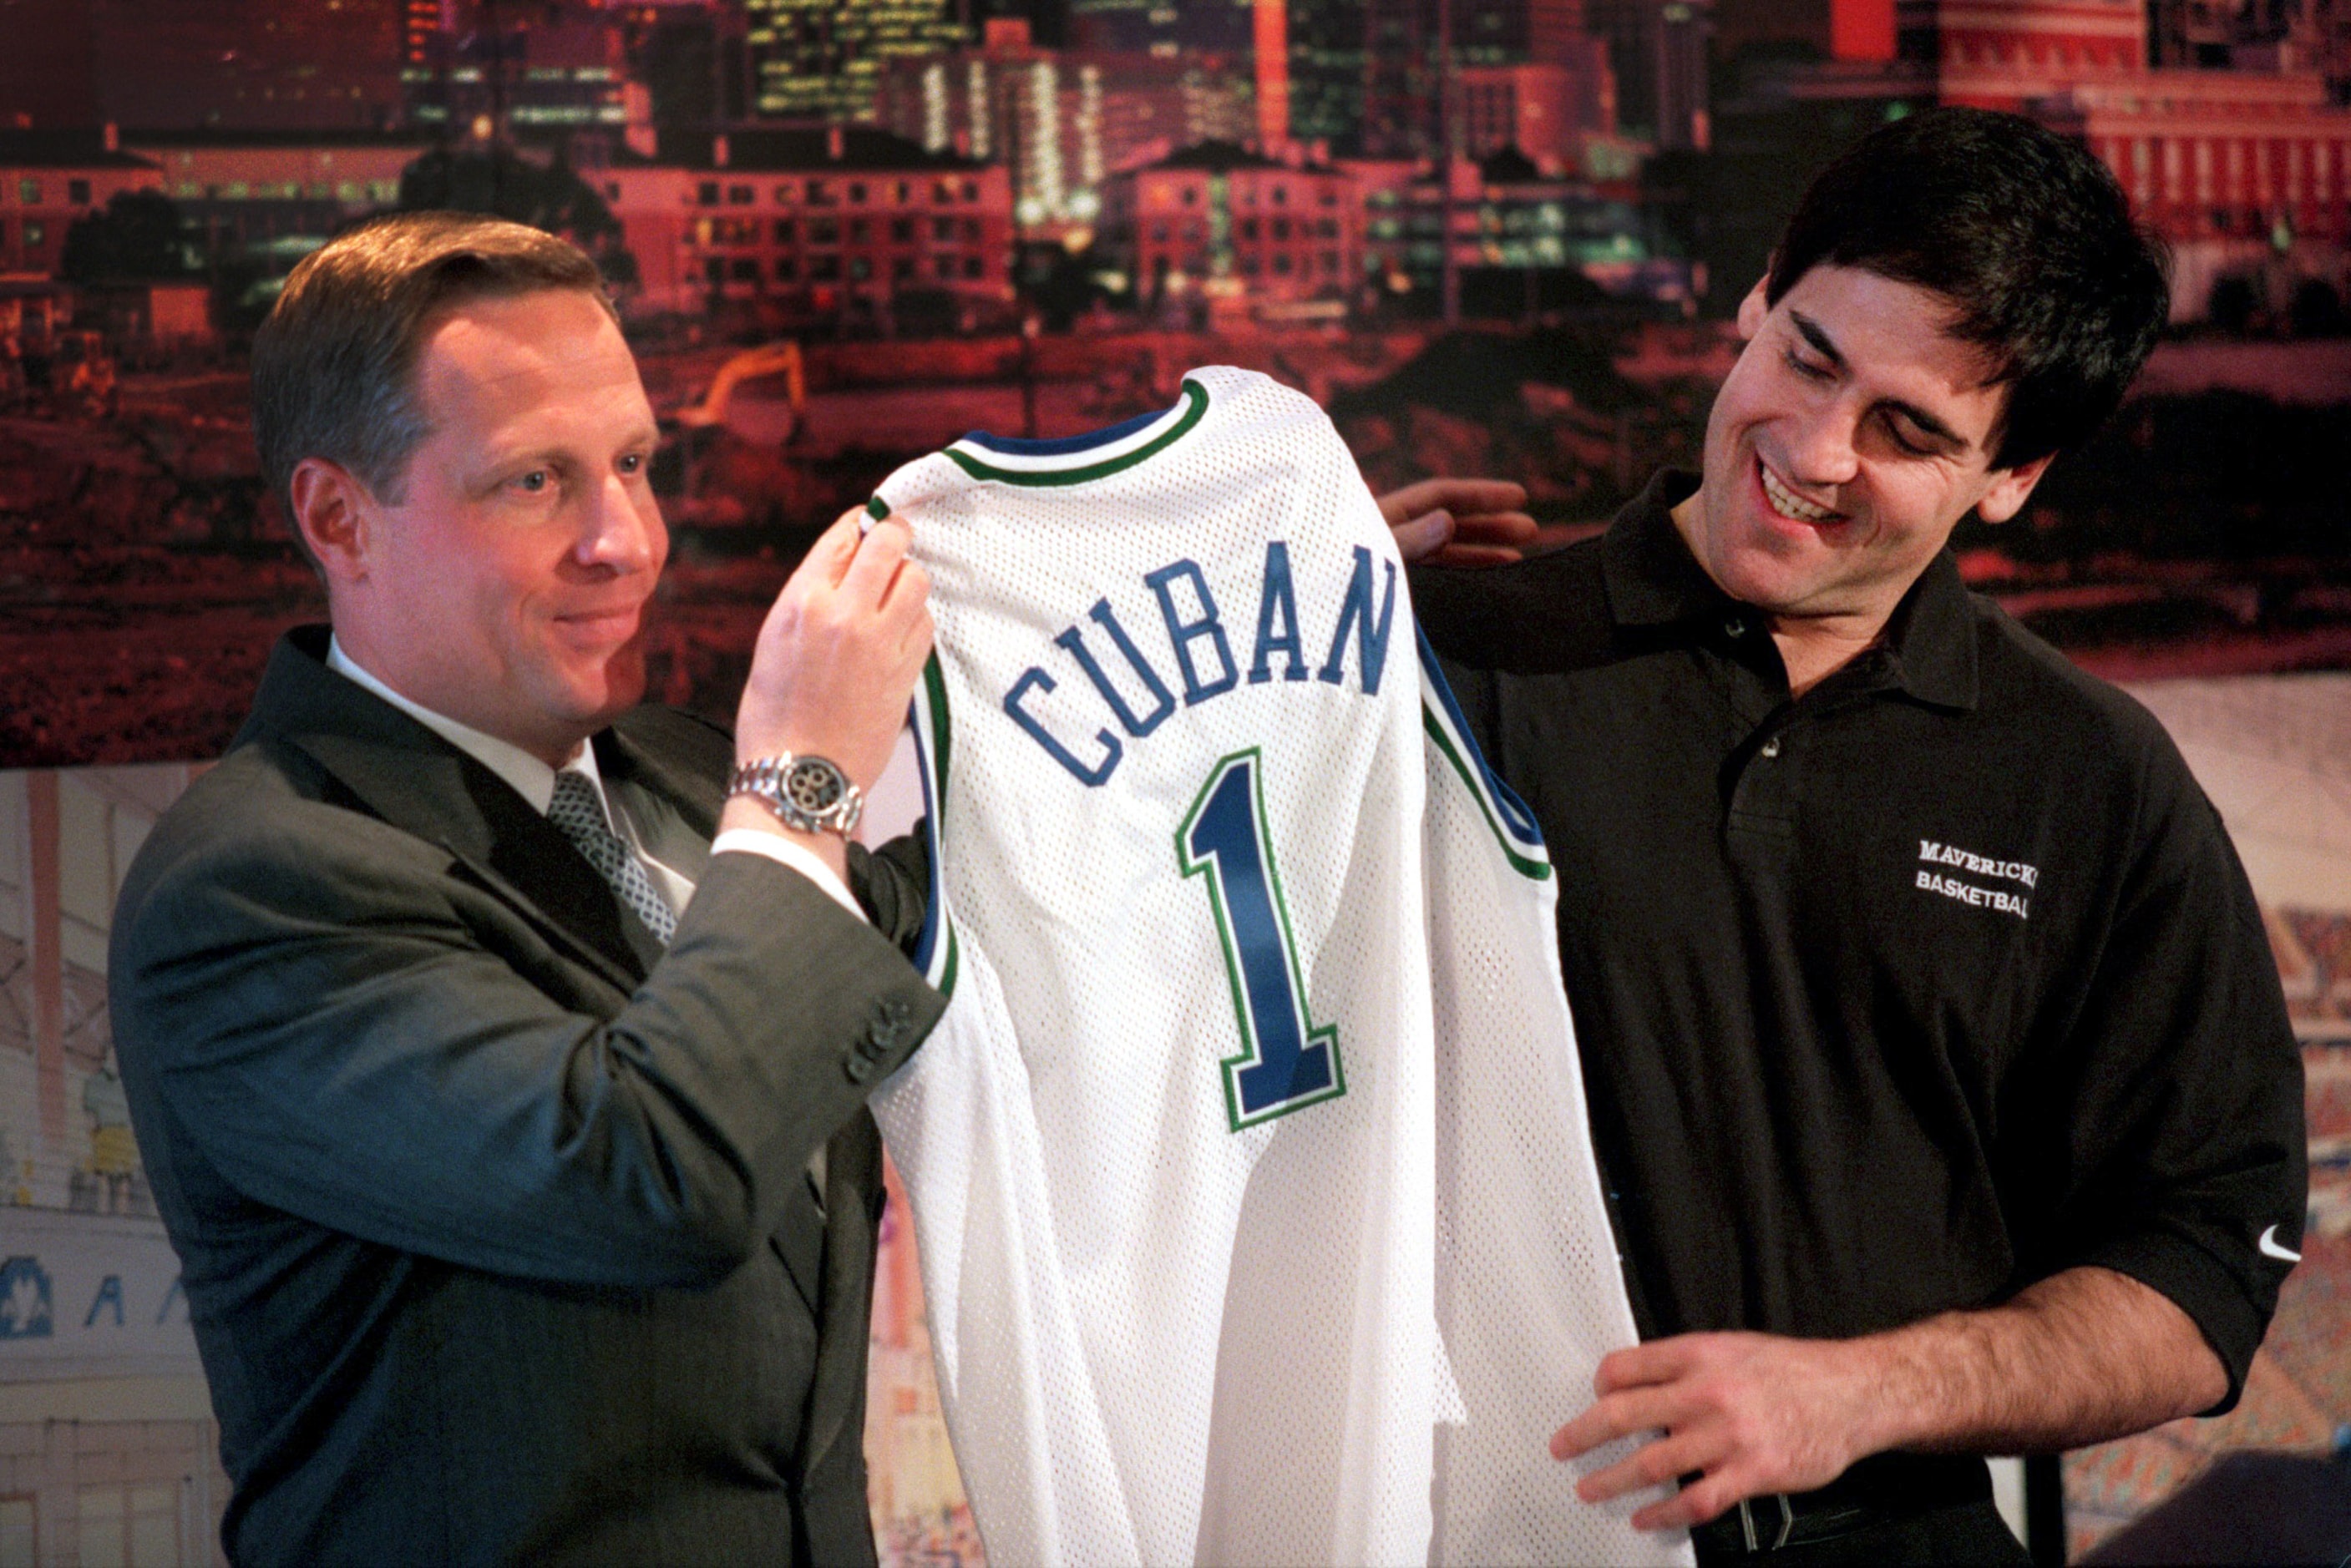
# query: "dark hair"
(334, 367)
(2027, 235)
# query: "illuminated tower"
(1272, 54)
(823, 59)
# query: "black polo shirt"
(1897, 997)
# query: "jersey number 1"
(1285, 1062)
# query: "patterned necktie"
(580, 812)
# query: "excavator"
(768, 359)
(772, 424)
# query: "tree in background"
(498, 182)
(139, 234)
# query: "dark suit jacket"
(497, 1237)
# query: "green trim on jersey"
(1533, 870)
(1194, 394)
(931, 727)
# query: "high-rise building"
(1369, 79)
(823, 59)
(1658, 50)
(1162, 27)
(1063, 120)
(544, 72)
(1223, 222)
(1328, 44)
(2266, 36)
(2218, 120)
(1547, 111)
(688, 54)
(1827, 29)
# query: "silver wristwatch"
(810, 794)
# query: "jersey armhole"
(1513, 825)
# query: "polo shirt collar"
(1652, 580)
(1649, 574)
(1932, 637)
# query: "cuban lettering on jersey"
(1173, 1150)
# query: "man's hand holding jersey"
(1460, 521)
(836, 660)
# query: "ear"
(336, 514)
(1753, 309)
(2009, 488)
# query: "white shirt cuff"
(775, 846)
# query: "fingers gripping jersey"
(1172, 1151)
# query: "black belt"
(1880, 1490)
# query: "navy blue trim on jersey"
(1060, 446)
(1515, 815)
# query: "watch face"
(814, 785)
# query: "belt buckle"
(1753, 1537)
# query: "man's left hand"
(1756, 1413)
(1460, 521)
(2083, 1356)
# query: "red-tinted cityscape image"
(1490, 237)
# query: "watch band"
(811, 795)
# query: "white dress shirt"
(534, 782)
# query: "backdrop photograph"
(1499, 238)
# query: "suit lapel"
(668, 770)
(674, 811)
(798, 1241)
(418, 783)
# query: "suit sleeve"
(892, 883)
(344, 1028)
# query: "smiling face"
(505, 587)
(1849, 440)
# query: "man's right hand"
(839, 653)
(1460, 521)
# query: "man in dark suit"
(500, 1073)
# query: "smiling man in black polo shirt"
(1936, 1055)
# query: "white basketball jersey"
(1529, 1295)
(1172, 1150)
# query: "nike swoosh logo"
(2270, 1248)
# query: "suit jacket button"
(858, 1068)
